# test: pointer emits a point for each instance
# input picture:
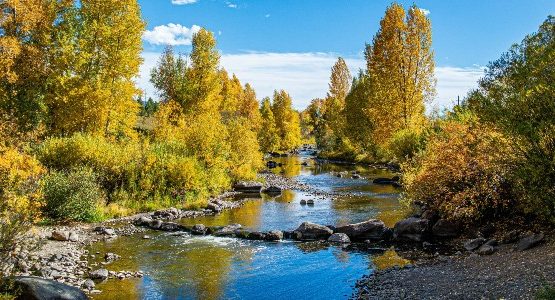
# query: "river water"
(192, 267)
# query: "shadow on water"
(192, 267)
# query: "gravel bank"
(507, 274)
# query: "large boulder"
(411, 229)
(445, 229)
(228, 230)
(311, 231)
(339, 238)
(530, 241)
(274, 235)
(251, 187)
(199, 229)
(272, 191)
(35, 288)
(170, 226)
(368, 230)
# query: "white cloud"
(183, 2)
(306, 75)
(171, 34)
(267, 15)
(231, 5)
(425, 11)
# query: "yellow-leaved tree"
(287, 121)
(400, 64)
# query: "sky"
(292, 44)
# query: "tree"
(516, 95)
(287, 121)
(334, 121)
(360, 125)
(168, 77)
(400, 64)
(268, 135)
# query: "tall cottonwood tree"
(400, 62)
(268, 134)
(334, 104)
(287, 121)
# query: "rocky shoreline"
(60, 255)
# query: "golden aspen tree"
(111, 43)
(248, 108)
(268, 136)
(287, 121)
(339, 87)
(401, 67)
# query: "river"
(191, 267)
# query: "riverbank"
(60, 251)
(506, 274)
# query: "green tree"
(516, 95)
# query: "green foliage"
(287, 121)
(405, 144)
(268, 135)
(516, 96)
(72, 196)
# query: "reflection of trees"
(388, 259)
(208, 269)
(286, 196)
(249, 215)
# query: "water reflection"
(191, 267)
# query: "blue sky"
(292, 44)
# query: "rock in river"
(35, 288)
(274, 235)
(100, 274)
(199, 229)
(251, 187)
(311, 231)
(339, 238)
(411, 229)
(368, 230)
(272, 191)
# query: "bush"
(464, 172)
(20, 203)
(405, 144)
(72, 196)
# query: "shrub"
(405, 144)
(20, 196)
(464, 172)
(72, 196)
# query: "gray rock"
(486, 249)
(339, 238)
(310, 202)
(88, 284)
(228, 230)
(445, 229)
(356, 176)
(100, 274)
(73, 236)
(274, 235)
(143, 221)
(530, 241)
(59, 235)
(170, 226)
(251, 187)
(111, 257)
(411, 229)
(311, 231)
(213, 206)
(303, 202)
(255, 235)
(156, 224)
(474, 244)
(272, 191)
(199, 229)
(242, 234)
(34, 288)
(369, 230)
